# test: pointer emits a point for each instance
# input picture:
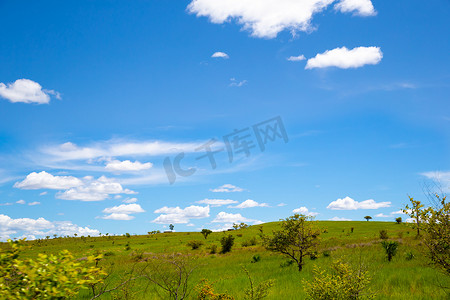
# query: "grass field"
(399, 279)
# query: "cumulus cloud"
(304, 211)
(39, 227)
(357, 7)
(227, 188)
(217, 202)
(250, 203)
(179, 215)
(224, 217)
(118, 217)
(296, 58)
(220, 55)
(122, 212)
(26, 91)
(267, 18)
(344, 58)
(339, 219)
(44, 180)
(126, 165)
(349, 204)
(94, 190)
(34, 203)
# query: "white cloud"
(34, 203)
(224, 217)
(267, 18)
(281, 204)
(39, 227)
(115, 148)
(21, 202)
(250, 203)
(304, 211)
(220, 55)
(94, 190)
(344, 58)
(43, 193)
(358, 7)
(217, 202)
(130, 200)
(179, 215)
(339, 219)
(118, 217)
(442, 179)
(26, 91)
(124, 209)
(236, 83)
(349, 204)
(44, 180)
(398, 212)
(227, 188)
(126, 165)
(381, 215)
(296, 58)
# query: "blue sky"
(94, 95)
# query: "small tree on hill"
(414, 211)
(171, 226)
(368, 218)
(206, 232)
(398, 220)
(297, 238)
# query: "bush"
(326, 253)
(227, 242)
(409, 255)
(213, 249)
(343, 282)
(287, 263)
(195, 244)
(58, 276)
(390, 248)
(256, 258)
(206, 292)
(398, 220)
(239, 235)
(250, 242)
(384, 234)
(313, 255)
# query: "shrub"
(351, 229)
(398, 220)
(256, 258)
(250, 242)
(58, 276)
(239, 235)
(384, 234)
(287, 263)
(213, 249)
(313, 255)
(227, 242)
(343, 282)
(326, 253)
(206, 292)
(390, 248)
(409, 255)
(109, 253)
(127, 235)
(195, 244)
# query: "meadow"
(407, 276)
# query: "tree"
(368, 218)
(206, 232)
(398, 220)
(414, 211)
(435, 226)
(227, 242)
(171, 226)
(297, 238)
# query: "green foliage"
(368, 218)
(409, 255)
(206, 291)
(241, 225)
(343, 282)
(51, 276)
(326, 253)
(195, 244)
(250, 242)
(398, 220)
(127, 235)
(384, 234)
(206, 232)
(256, 258)
(227, 242)
(415, 211)
(171, 226)
(391, 248)
(259, 291)
(213, 249)
(297, 238)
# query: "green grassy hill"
(399, 279)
